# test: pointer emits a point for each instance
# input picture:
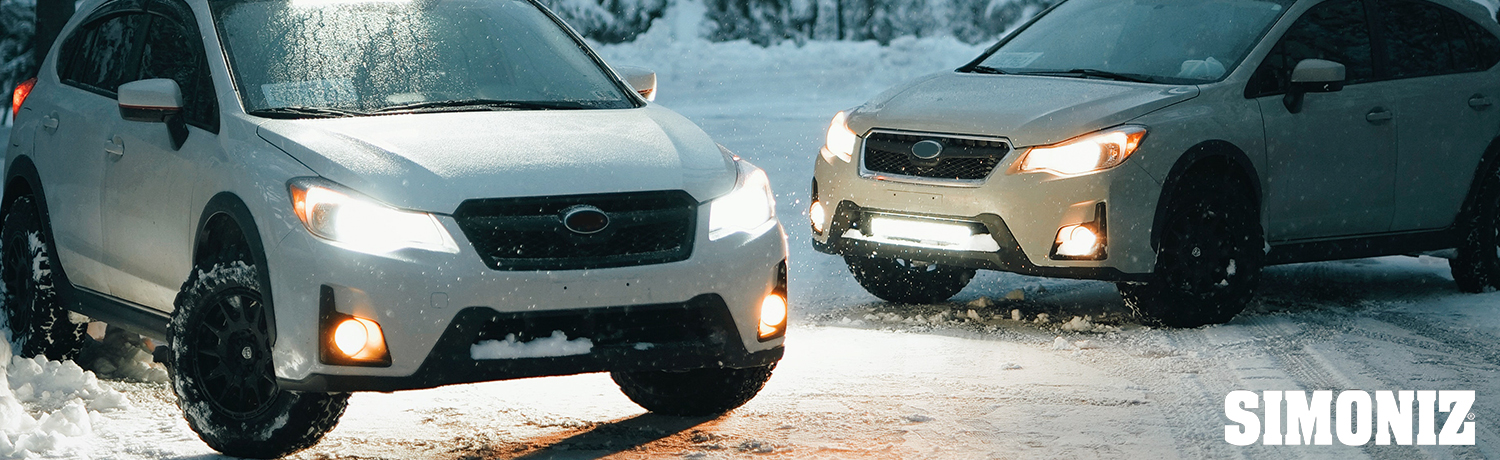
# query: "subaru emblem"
(585, 219)
(927, 149)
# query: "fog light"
(359, 338)
(772, 315)
(1077, 241)
(818, 215)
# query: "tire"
(38, 323)
(234, 404)
(1477, 267)
(1208, 261)
(699, 392)
(906, 281)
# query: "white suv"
(1176, 148)
(310, 197)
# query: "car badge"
(927, 149)
(585, 219)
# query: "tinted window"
(102, 62)
(1423, 39)
(1335, 31)
(1484, 44)
(170, 52)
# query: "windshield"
(305, 58)
(1159, 41)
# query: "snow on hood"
(432, 162)
(1029, 110)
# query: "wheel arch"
(1216, 156)
(1488, 164)
(227, 222)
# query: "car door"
(148, 186)
(1446, 103)
(1330, 167)
(73, 143)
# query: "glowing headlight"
(840, 142)
(750, 208)
(364, 225)
(1094, 152)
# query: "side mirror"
(1312, 76)
(157, 100)
(641, 79)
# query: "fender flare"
(228, 207)
(1213, 150)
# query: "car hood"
(1029, 110)
(434, 161)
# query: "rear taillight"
(19, 96)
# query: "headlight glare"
(364, 225)
(1094, 152)
(840, 141)
(750, 208)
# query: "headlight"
(840, 141)
(1094, 152)
(334, 213)
(750, 208)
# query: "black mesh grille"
(528, 233)
(961, 159)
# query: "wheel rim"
(1203, 252)
(15, 273)
(233, 355)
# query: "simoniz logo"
(1355, 417)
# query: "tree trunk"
(51, 15)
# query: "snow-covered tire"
(906, 281)
(697, 392)
(38, 323)
(222, 370)
(1477, 266)
(1209, 259)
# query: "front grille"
(961, 158)
(528, 233)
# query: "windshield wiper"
(477, 104)
(983, 69)
(305, 112)
(1094, 73)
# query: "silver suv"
(305, 198)
(1176, 148)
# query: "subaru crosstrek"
(305, 198)
(1176, 148)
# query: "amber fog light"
(772, 316)
(350, 340)
(1085, 241)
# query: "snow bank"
(48, 405)
(546, 347)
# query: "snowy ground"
(867, 379)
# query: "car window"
(1423, 39)
(368, 56)
(1486, 47)
(170, 52)
(102, 61)
(1335, 31)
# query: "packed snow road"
(1013, 367)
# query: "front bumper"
(433, 306)
(1009, 257)
(708, 338)
(1021, 212)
